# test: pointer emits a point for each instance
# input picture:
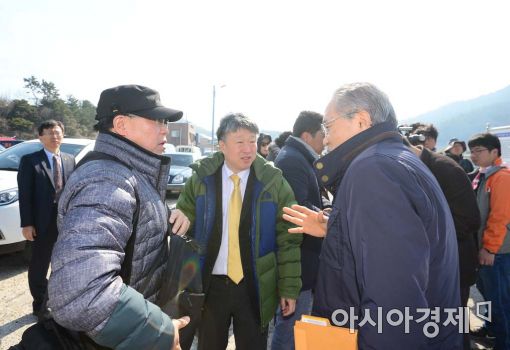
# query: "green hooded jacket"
(277, 257)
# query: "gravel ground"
(15, 300)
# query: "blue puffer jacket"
(390, 243)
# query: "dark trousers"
(494, 284)
(226, 301)
(42, 246)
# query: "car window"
(71, 148)
(181, 159)
(10, 158)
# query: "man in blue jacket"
(389, 261)
(295, 160)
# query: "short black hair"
(486, 140)
(263, 137)
(307, 121)
(427, 130)
(280, 140)
(49, 124)
(233, 122)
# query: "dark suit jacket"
(296, 163)
(36, 188)
(214, 244)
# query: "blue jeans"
(283, 335)
(494, 284)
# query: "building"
(182, 133)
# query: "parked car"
(11, 239)
(2, 148)
(169, 148)
(180, 171)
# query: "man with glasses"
(104, 202)
(492, 186)
(41, 178)
(390, 246)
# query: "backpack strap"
(125, 269)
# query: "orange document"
(316, 333)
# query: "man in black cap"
(454, 150)
(107, 201)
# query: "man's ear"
(363, 119)
(120, 124)
(306, 136)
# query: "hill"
(465, 118)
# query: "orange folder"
(316, 333)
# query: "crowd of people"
(343, 215)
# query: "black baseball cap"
(134, 99)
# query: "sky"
(267, 59)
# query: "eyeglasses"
(161, 123)
(53, 133)
(478, 150)
(327, 125)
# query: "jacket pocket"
(332, 252)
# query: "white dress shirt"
(220, 266)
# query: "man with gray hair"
(251, 263)
(390, 247)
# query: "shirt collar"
(50, 154)
(243, 175)
(307, 146)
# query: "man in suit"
(295, 160)
(41, 178)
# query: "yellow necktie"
(234, 266)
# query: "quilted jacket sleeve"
(85, 290)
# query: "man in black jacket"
(296, 162)
(466, 216)
(41, 178)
